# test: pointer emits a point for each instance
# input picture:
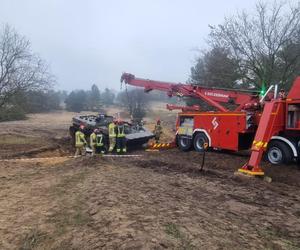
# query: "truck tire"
(184, 143)
(199, 141)
(278, 153)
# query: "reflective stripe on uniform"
(99, 140)
(121, 131)
(111, 130)
(93, 137)
(79, 139)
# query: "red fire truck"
(267, 124)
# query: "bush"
(12, 113)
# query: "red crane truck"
(267, 124)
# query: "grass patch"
(33, 239)
(67, 183)
(80, 218)
(278, 238)
(70, 215)
(61, 219)
(71, 212)
(18, 140)
(174, 231)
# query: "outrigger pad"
(249, 172)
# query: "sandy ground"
(159, 200)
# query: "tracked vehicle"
(136, 134)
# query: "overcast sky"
(94, 41)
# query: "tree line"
(39, 101)
(90, 100)
(249, 49)
(31, 101)
(135, 101)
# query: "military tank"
(136, 134)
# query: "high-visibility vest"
(111, 130)
(158, 129)
(121, 131)
(93, 139)
(99, 140)
(79, 139)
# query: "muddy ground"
(157, 200)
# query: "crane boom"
(213, 96)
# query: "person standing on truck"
(80, 142)
(100, 142)
(112, 135)
(157, 131)
(120, 139)
(282, 94)
(93, 140)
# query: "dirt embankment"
(39, 135)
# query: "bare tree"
(265, 43)
(136, 102)
(20, 69)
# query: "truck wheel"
(199, 141)
(184, 143)
(278, 153)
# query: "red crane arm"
(212, 96)
(147, 84)
(183, 108)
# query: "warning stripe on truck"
(161, 146)
(257, 145)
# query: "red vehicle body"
(262, 124)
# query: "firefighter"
(80, 142)
(282, 94)
(112, 135)
(157, 131)
(93, 137)
(100, 142)
(120, 137)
